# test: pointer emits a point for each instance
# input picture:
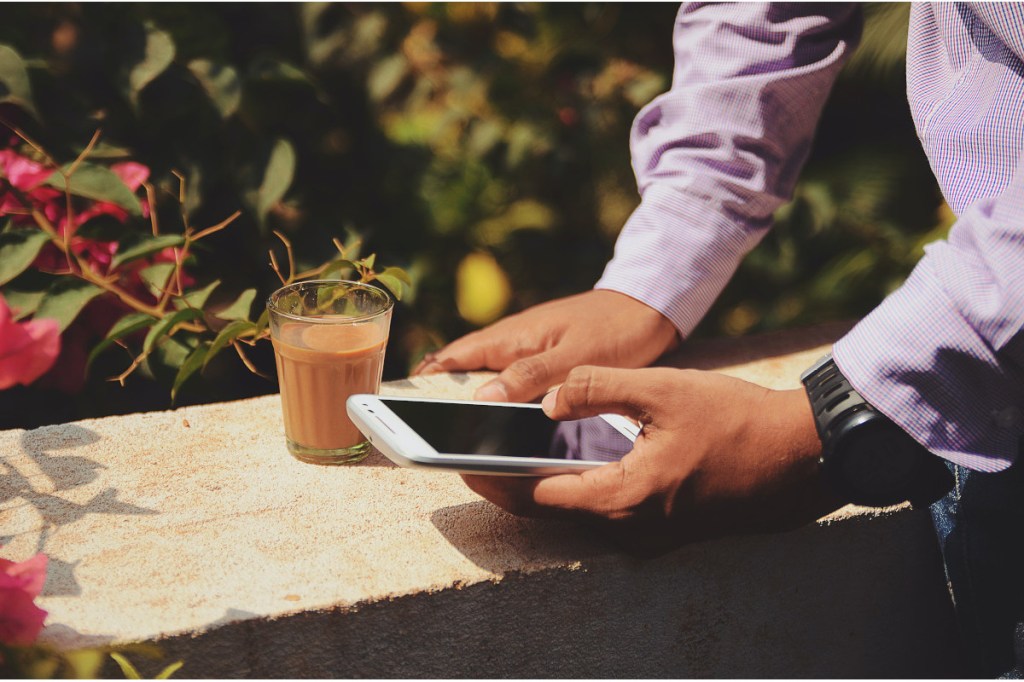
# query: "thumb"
(527, 378)
(590, 391)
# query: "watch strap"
(835, 404)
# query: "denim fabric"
(980, 526)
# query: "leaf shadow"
(46, 447)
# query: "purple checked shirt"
(943, 356)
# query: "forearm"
(720, 152)
(944, 355)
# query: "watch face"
(878, 462)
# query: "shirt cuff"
(676, 253)
(919, 362)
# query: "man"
(936, 371)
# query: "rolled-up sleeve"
(943, 356)
(716, 155)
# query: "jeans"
(980, 526)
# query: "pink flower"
(20, 583)
(131, 173)
(27, 177)
(25, 174)
(27, 349)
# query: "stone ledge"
(196, 529)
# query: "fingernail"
(548, 403)
(426, 368)
(430, 366)
(494, 392)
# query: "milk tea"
(319, 366)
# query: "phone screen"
(458, 428)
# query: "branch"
(30, 142)
(291, 256)
(274, 266)
(151, 198)
(245, 361)
(216, 228)
(81, 157)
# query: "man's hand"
(716, 456)
(535, 349)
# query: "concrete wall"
(859, 599)
(196, 530)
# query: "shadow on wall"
(499, 542)
(61, 472)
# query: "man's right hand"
(535, 349)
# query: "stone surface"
(195, 528)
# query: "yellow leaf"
(482, 289)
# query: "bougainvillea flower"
(24, 173)
(131, 173)
(26, 176)
(21, 620)
(27, 349)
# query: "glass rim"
(273, 309)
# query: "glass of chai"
(329, 338)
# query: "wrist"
(796, 427)
(652, 324)
(792, 442)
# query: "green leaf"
(393, 284)
(166, 324)
(227, 335)
(277, 177)
(169, 356)
(84, 663)
(337, 268)
(100, 183)
(158, 54)
(269, 69)
(144, 246)
(18, 248)
(198, 297)
(15, 86)
(169, 670)
(397, 273)
(129, 324)
(263, 322)
(65, 299)
(23, 303)
(240, 308)
(127, 669)
(157, 276)
(221, 83)
(394, 279)
(192, 363)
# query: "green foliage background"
(435, 131)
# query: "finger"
(595, 493)
(484, 349)
(528, 377)
(590, 391)
(514, 494)
(425, 365)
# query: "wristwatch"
(866, 457)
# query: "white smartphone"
(488, 438)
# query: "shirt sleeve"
(943, 356)
(716, 155)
